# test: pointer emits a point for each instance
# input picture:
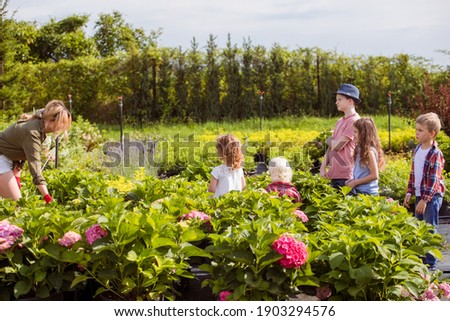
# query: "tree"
(194, 81)
(306, 93)
(373, 75)
(260, 68)
(12, 92)
(435, 100)
(140, 82)
(250, 89)
(113, 35)
(232, 81)
(165, 82)
(275, 104)
(64, 39)
(5, 36)
(181, 89)
(406, 78)
(212, 83)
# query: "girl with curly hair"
(229, 176)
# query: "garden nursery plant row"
(140, 237)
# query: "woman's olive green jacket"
(23, 141)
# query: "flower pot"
(192, 290)
(57, 296)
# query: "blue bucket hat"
(349, 91)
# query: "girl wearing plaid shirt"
(425, 179)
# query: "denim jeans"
(431, 216)
(336, 183)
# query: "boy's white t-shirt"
(419, 162)
(227, 179)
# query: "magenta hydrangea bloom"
(195, 215)
(223, 296)
(69, 239)
(301, 215)
(9, 233)
(294, 252)
(94, 233)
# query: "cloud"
(354, 27)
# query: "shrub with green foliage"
(369, 248)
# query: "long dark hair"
(368, 139)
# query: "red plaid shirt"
(284, 188)
(432, 180)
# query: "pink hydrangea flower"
(445, 287)
(69, 239)
(223, 296)
(94, 233)
(301, 215)
(426, 277)
(390, 200)
(294, 252)
(8, 229)
(9, 233)
(5, 243)
(195, 215)
(323, 292)
(429, 295)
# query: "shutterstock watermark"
(188, 149)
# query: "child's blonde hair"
(229, 149)
(279, 170)
(431, 121)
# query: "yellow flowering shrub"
(122, 184)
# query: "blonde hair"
(431, 121)
(229, 149)
(279, 170)
(56, 112)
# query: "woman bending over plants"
(22, 141)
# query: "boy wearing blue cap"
(338, 161)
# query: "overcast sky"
(352, 27)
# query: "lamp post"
(389, 101)
(57, 139)
(121, 121)
(70, 102)
(261, 96)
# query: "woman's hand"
(48, 198)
